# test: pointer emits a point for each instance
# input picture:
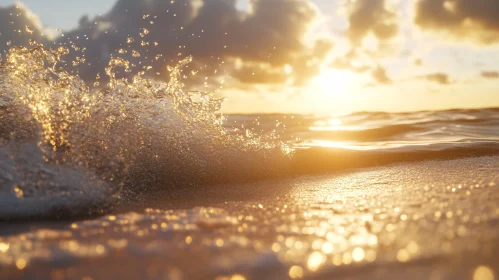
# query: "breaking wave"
(69, 149)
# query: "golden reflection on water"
(296, 272)
(329, 125)
(232, 277)
(370, 135)
(358, 254)
(483, 273)
(4, 247)
(315, 260)
(21, 263)
(333, 144)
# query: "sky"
(304, 56)
(65, 14)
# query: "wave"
(68, 149)
(126, 138)
(320, 159)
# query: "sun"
(333, 90)
(332, 82)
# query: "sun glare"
(332, 82)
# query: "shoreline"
(413, 219)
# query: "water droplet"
(483, 273)
(315, 260)
(29, 30)
(219, 242)
(19, 193)
(135, 53)
(327, 248)
(402, 255)
(358, 254)
(21, 263)
(4, 247)
(296, 272)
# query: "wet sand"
(423, 220)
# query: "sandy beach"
(423, 220)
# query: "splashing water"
(64, 143)
(69, 149)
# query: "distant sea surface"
(377, 138)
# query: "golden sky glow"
(398, 56)
(304, 56)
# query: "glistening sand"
(425, 220)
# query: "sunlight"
(332, 91)
(332, 82)
(359, 139)
(329, 125)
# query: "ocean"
(144, 180)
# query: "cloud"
(380, 76)
(353, 61)
(259, 73)
(356, 60)
(490, 74)
(360, 63)
(18, 25)
(371, 16)
(473, 19)
(264, 43)
(440, 78)
(371, 25)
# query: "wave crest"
(132, 132)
